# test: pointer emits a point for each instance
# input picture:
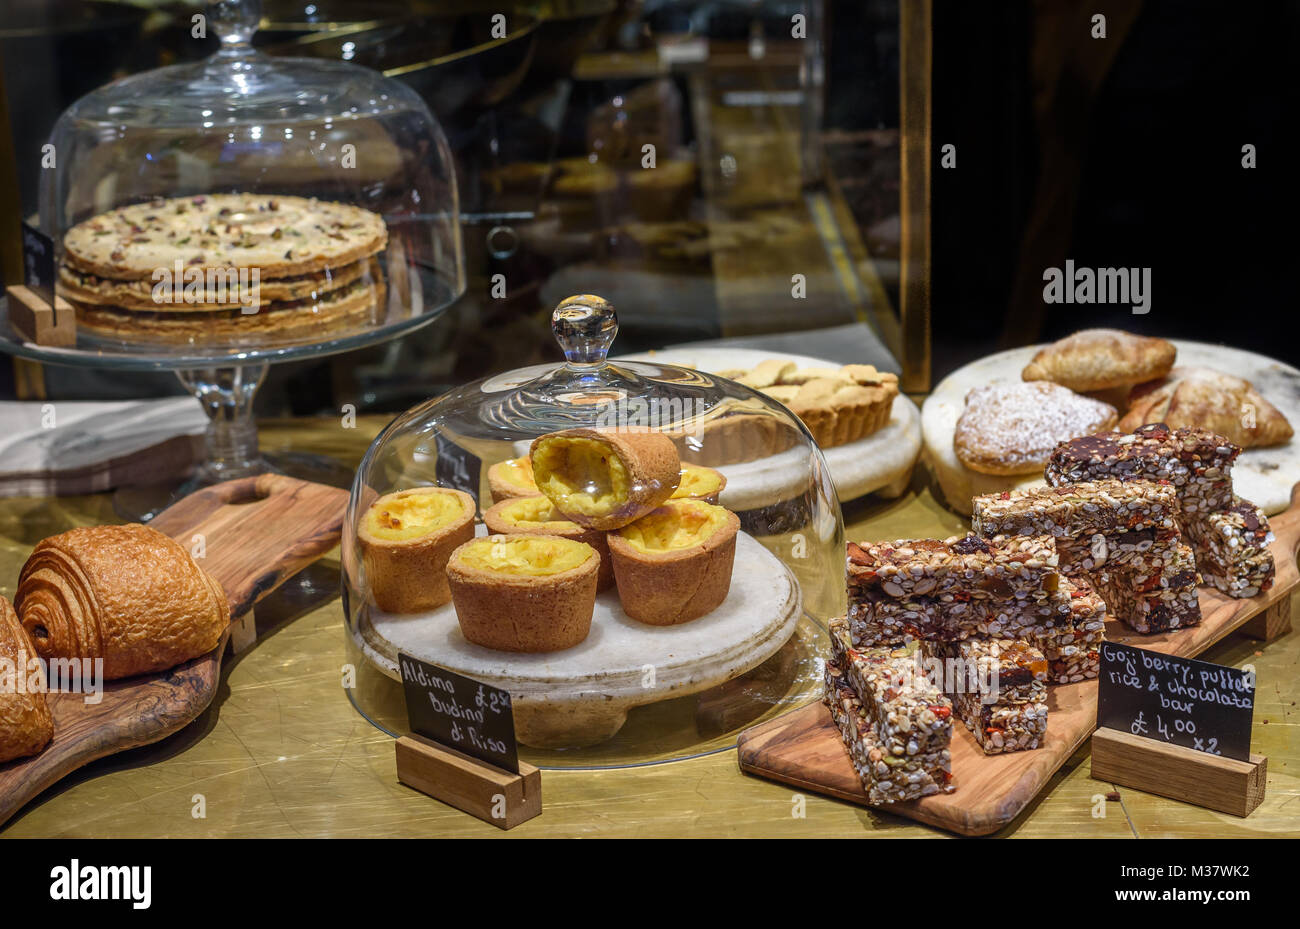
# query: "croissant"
(25, 723)
(127, 594)
(1208, 399)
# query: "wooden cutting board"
(803, 748)
(257, 532)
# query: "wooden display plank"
(803, 748)
(257, 532)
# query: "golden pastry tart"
(674, 564)
(838, 405)
(512, 478)
(406, 538)
(537, 515)
(699, 483)
(604, 479)
(524, 593)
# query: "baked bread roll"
(25, 723)
(127, 594)
(605, 478)
(1098, 359)
(1208, 399)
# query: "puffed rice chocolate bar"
(968, 566)
(877, 619)
(1231, 548)
(887, 778)
(994, 671)
(1157, 602)
(908, 713)
(1003, 727)
(1074, 653)
(1069, 510)
(1142, 549)
(1196, 461)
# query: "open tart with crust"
(700, 483)
(604, 479)
(674, 564)
(537, 515)
(512, 478)
(406, 538)
(524, 593)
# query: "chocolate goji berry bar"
(1001, 671)
(1073, 653)
(1070, 510)
(1232, 549)
(1143, 549)
(968, 565)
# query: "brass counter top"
(282, 752)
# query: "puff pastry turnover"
(1098, 359)
(1208, 399)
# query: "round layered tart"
(512, 478)
(700, 483)
(537, 515)
(605, 479)
(406, 538)
(674, 564)
(524, 593)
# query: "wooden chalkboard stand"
(37, 320)
(1180, 773)
(492, 794)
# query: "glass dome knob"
(585, 326)
(235, 21)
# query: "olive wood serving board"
(803, 748)
(257, 532)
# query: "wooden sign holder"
(492, 794)
(37, 320)
(1178, 772)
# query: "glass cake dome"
(687, 644)
(244, 207)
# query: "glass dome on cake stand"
(630, 692)
(218, 217)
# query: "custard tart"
(406, 538)
(674, 565)
(537, 515)
(524, 593)
(700, 483)
(512, 478)
(605, 479)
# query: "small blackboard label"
(457, 467)
(460, 713)
(38, 263)
(1198, 705)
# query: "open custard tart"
(674, 565)
(524, 593)
(537, 515)
(512, 478)
(604, 479)
(700, 483)
(406, 538)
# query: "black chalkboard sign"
(457, 467)
(1191, 703)
(460, 713)
(38, 263)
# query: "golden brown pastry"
(537, 515)
(524, 593)
(127, 594)
(700, 483)
(674, 565)
(605, 478)
(26, 726)
(1011, 427)
(512, 478)
(406, 538)
(838, 405)
(1208, 399)
(1097, 359)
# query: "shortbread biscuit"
(281, 236)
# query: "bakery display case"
(656, 559)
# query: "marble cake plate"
(1262, 475)
(880, 463)
(582, 695)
